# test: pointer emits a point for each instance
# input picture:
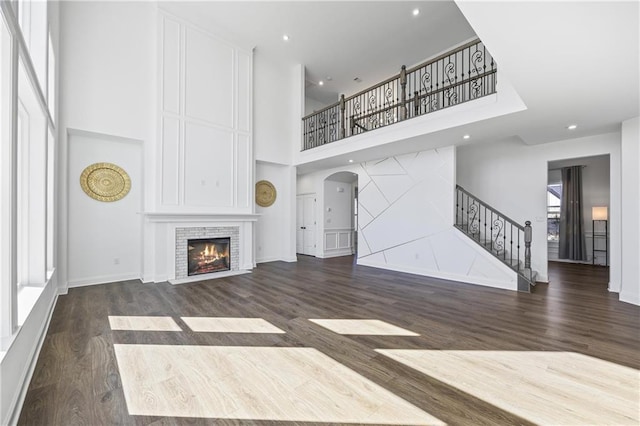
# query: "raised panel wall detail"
(209, 79)
(208, 166)
(170, 163)
(205, 123)
(171, 66)
(244, 91)
(244, 171)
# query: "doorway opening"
(578, 199)
(340, 215)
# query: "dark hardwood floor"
(76, 380)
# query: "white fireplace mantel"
(160, 238)
(167, 217)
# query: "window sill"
(27, 298)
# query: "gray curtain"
(572, 245)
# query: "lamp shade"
(599, 213)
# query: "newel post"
(403, 93)
(527, 244)
(342, 117)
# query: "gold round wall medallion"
(105, 182)
(265, 193)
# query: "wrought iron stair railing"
(461, 75)
(500, 235)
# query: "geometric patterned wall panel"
(405, 220)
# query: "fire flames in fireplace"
(208, 255)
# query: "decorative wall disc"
(105, 182)
(265, 193)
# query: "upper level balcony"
(464, 74)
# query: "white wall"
(406, 216)
(275, 228)
(630, 289)
(278, 109)
(105, 238)
(512, 177)
(108, 77)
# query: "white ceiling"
(574, 62)
(343, 40)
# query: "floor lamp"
(599, 214)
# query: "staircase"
(504, 238)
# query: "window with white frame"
(27, 166)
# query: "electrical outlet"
(116, 261)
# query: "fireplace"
(207, 255)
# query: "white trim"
(199, 217)
(337, 253)
(103, 279)
(15, 407)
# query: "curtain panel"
(572, 242)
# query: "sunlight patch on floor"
(230, 325)
(363, 327)
(141, 323)
(542, 387)
(255, 383)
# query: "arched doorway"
(340, 214)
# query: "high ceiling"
(341, 40)
(573, 62)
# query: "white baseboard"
(105, 279)
(337, 253)
(267, 259)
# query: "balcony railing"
(464, 74)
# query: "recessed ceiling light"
(572, 127)
(466, 137)
(416, 12)
(285, 37)
(351, 161)
(321, 83)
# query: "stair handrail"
(473, 230)
(521, 227)
(462, 74)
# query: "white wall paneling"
(171, 65)
(208, 166)
(338, 242)
(205, 121)
(209, 78)
(405, 220)
(243, 96)
(105, 239)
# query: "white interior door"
(306, 224)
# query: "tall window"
(27, 166)
(554, 195)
